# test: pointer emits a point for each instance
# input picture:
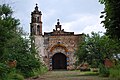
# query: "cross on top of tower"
(58, 20)
(58, 23)
(36, 4)
(36, 8)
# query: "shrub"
(104, 71)
(36, 72)
(43, 69)
(15, 76)
(4, 70)
(115, 72)
(27, 67)
(7, 73)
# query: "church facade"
(55, 48)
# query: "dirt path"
(67, 75)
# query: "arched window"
(32, 30)
(37, 19)
(38, 29)
(33, 19)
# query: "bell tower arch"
(36, 22)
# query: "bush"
(43, 69)
(33, 72)
(36, 72)
(104, 71)
(7, 73)
(115, 72)
(27, 67)
(4, 70)
(15, 76)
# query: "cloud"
(48, 14)
(76, 16)
(94, 28)
(84, 23)
(79, 23)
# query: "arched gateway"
(59, 57)
(59, 61)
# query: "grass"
(70, 75)
(89, 73)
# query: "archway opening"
(59, 61)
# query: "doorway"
(59, 61)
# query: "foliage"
(95, 48)
(26, 59)
(4, 70)
(15, 76)
(7, 73)
(36, 72)
(115, 72)
(112, 18)
(104, 71)
(112, 25)
(14, 46)
(7, 28)
(6, 10)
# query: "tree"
(112, 18)
(8, 27)
(14, 47)
(96, 48)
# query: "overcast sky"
(79, 16)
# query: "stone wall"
(64, 44)
(39, 43)
(70, 42)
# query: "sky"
(79, 16)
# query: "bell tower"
(36, 23)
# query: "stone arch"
(59, 45)
(56, 50)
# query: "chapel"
(55, 48)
